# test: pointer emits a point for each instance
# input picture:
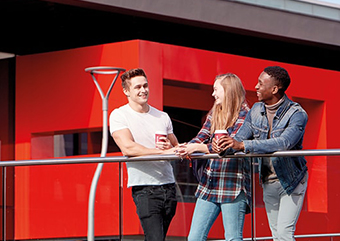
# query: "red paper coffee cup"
(159, 134)
(220, 133)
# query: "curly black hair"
(280, 75)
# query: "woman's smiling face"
(218, 92)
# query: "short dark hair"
(280, 75)
(130, 74)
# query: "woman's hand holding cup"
(219, 141)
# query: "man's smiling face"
(265, 89)
(138, 91)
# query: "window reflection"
(186, 124)
(69, 144)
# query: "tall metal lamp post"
(113, 71)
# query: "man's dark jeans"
(156, 206)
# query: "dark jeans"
(156, 206)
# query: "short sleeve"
(169, 126)
(117, 121)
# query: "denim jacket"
(287, 134)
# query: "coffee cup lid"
(160, 133)
(221, 132)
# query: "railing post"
(4, 203)
(4, 197)
(253, 204)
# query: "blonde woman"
(225, 184)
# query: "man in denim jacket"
(275, 124)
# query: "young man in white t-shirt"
(133, 127)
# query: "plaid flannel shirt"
(223, 179)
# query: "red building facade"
(55, 97)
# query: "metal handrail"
(108, 159)
(120, 159)
(322, 235)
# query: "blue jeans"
(206, 213)
(156, 206)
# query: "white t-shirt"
(143, 127)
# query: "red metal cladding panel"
(54, 94)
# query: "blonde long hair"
(224, 115)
